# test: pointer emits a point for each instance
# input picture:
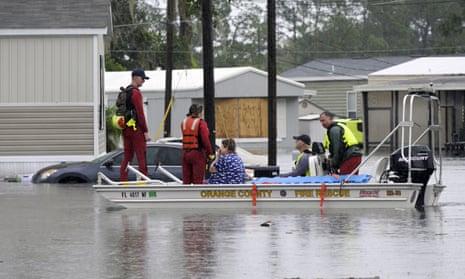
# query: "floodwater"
(50, 231)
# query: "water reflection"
(132, 245)
(123, 241)
(229, 244)
(198, 245)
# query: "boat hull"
(266, 196)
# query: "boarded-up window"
(241, 118)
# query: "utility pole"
(169, 64)
(272, 131)
(208, 68)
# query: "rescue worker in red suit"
(196, 146)
(135, 138)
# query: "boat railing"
(408, 123)
(433, 127)
(142, 179)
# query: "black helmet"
(195, 109)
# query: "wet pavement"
(50, 231)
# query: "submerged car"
(167, 155)
(165, 152)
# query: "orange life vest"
(190, 133)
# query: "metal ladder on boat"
(408, 123)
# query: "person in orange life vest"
(135, 138)
(196, 146)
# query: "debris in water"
(115, 208)
(18, 178)
(266, 224)
(12, 179)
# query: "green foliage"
(137, 35)
(111, 65)
(113, 134)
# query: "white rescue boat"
(401, 181)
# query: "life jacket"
(297, 161)
(314, 168)
(348, 137)
(190, 133)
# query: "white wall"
(43, 69)
(56, 74)
(312, 128)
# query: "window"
(351, 104)
(118, 159)
(169, 156)
(152, 154)
(166, 156)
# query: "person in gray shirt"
(301, 163)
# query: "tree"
(307, 29)
(450, 30)
(240, 40)
(137, 39)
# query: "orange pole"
(322, 194)
(254, 195)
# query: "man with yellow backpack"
(130, 118)
(344, 153)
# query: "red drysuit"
(194, 160)
(134, 141)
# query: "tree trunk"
(185, 32)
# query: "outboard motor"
(422, 168)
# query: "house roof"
(426, 66)
(342, 68)
(183, 80)
(54, 14)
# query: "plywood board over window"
(227, 120)
(242, 117)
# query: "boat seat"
(380, 167)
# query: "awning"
(438, 83)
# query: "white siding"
(102, 142)
(46, 130)
(332, 95)
(46, 70)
